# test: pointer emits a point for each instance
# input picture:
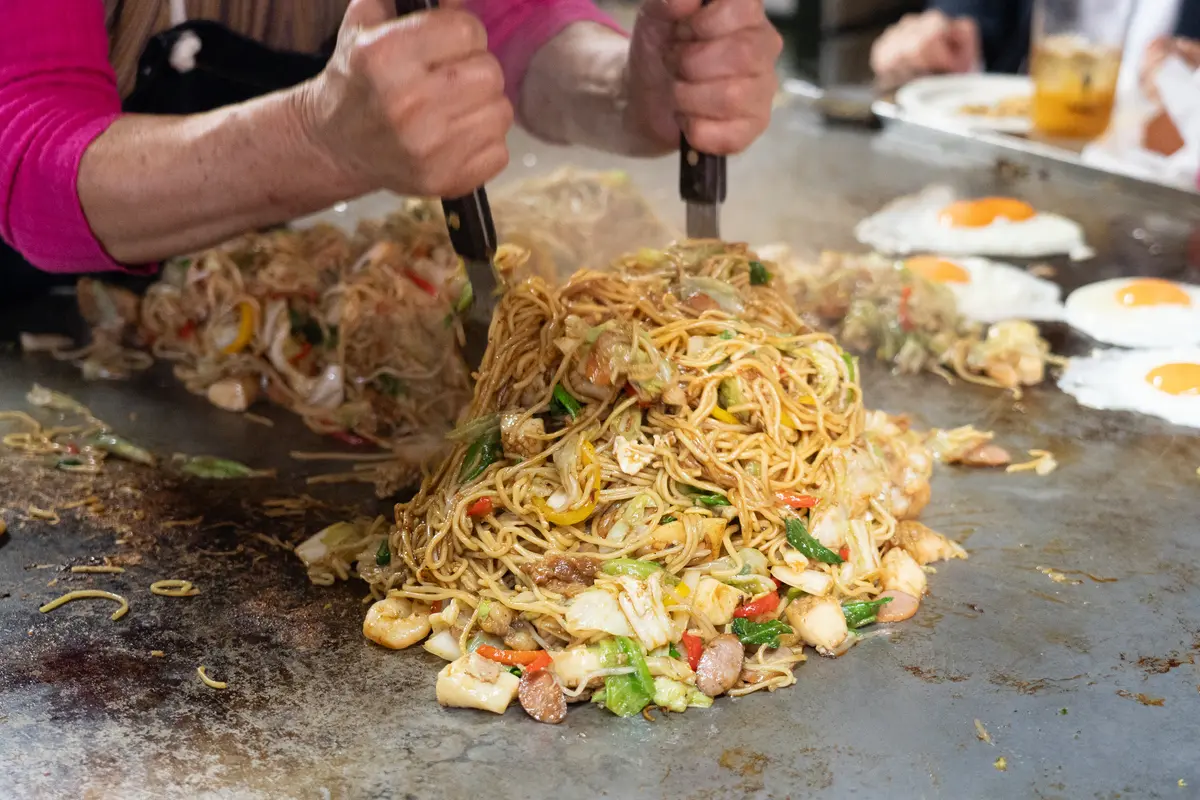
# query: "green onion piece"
(793, 593)
(383, 556)
(759, 275)
(799, 538)
(767, 633)
(515, 671)
(714, 500)
(851, 365)
(861, 613)
(726, 335)
(216, 468)
(389, 384)
(122, 448)
(634, 568)
(673, 651)
(485, 608)
(483, 452)
(668, 519)
(563, 403)
(466, 296)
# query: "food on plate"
(990, 291)
(1162, 383)
(875, 304)
(1017, 105)
(1137, 312)
(666, 487)
(937, 220)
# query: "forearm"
(153, 187)
(575, 92)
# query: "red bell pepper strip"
(480, 508)
(796, 500)
(539, 663)
(303, 352)
(844, 552)
(186, 330)
(756, 608)
(424, 285)
(905, 296)
(693, 647)
(348, 438)
(510, 658)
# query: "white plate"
(941, 97)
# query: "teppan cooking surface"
(1087, 687)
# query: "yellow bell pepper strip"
(721, 415)
(572, 516)
(245, 330)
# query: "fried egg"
(1137, 312)
(1161, 383)
(937, 221)
(990, 291)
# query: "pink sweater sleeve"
(518, 28)
(57, 94)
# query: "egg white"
(1116, 380)
(1094, 310)
(999, 291)
(910, 225)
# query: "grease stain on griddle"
(1142, 698)
(1034, 686)
(932, 676)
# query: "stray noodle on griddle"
(665, 487)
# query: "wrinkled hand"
(706, 71)
(415, 105)
(1159, 50)
(925, 44)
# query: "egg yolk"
(1176, 379)
(938, 270)
(983, 212)
(1152, 292)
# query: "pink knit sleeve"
(57, 94)
(518, 28)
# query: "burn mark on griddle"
(1032, 687)
(1144, 699)
(932, 676)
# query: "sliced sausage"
(542, 697)
(986, 455)
(720, 665)
(902, 607)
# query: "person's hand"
(925, 44)
(1158, 52)
(706, 71)
(415, 105)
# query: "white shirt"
(1150, 19)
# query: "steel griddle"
(1053, 671)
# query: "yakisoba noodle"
(665, 487)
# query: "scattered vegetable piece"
(480, 508)
(383, 556)
(510, 658)
(981, 732)
(245, 331)
(757, 608)
(633, 567)
(767, 633)
(794, 500)
(563, 403)
(214, 468)
(694, 647)
(799, 538)
(481, 454)
(759, 274)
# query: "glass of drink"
(1075, 60)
